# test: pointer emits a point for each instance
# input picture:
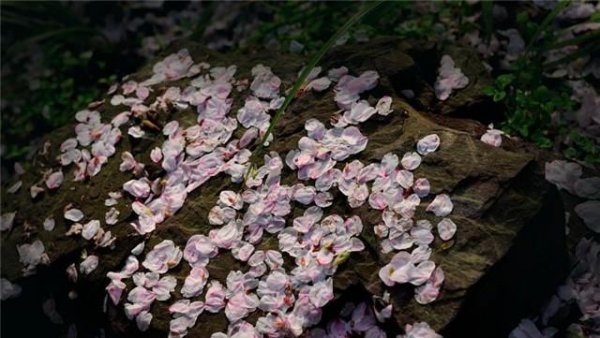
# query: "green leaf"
(542, 141)
(487, 17)
(488, 90)
(499, 95)
(570, 152)
(504, 80)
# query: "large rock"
(507, 257)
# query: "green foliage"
(530, 103)
(582, 147)
(531, 99)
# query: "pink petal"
(428, 144)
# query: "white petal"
(446, 229)
(74, 215)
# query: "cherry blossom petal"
(441, 205)
(446, 229)
(74, 215)
(143, 320)
(419, 330)
(7, 220)
(54, 180)
(428, 144)
(90, 229)
(411, 161)
(215, 297)
(89, 264)
(162, 257)
(384, 106)
(136, 132)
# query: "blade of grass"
(487, 17)
(304, 74)
(62, 33)
(547, 21)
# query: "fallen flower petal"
(441, 205)
(89, 264)
(55, 180)
(8, 290)
(162, 257)
(74, 215)
(7, 220)
(446, 229)
(428, 144)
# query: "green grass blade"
(547, 21)
(487, 16)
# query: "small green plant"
(532, 100)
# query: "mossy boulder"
(507, 257)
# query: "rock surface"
(507, 257)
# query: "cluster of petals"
(322, 148)
(149, 286)
(293, 301)
(290, 301)
(397, 193)
(580, 290)
(30, 255)
(116, 286)
(492, 136)
(163, 257)
(568, 176)
(361, 111)
(91, 230)
(449, 78)
(316, 242)
(348, 87)
(414, 268)
(90, 150)
(353, 321)
(185, 313)
(265, 89)
(171, 68)
(316, 83)
(190, 156)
